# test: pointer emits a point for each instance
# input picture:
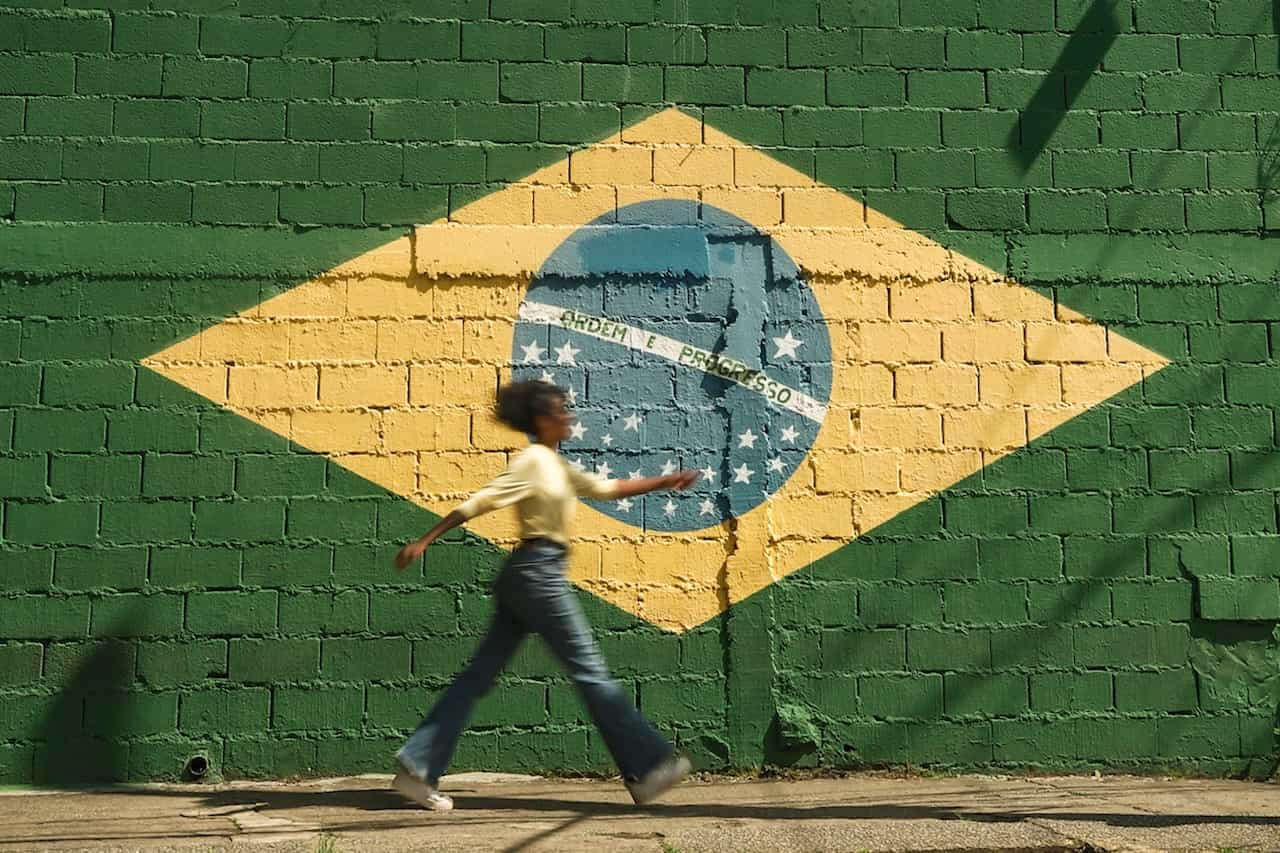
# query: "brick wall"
(262, 266)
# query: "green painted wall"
(177, 580)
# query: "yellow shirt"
(544, 489)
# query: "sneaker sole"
(419, 793)
(679, 772)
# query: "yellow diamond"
(389, 362)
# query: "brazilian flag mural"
(966, 311)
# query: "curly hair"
(521, 403)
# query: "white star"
(742, 474)
(635, 475)
(747, 439)
(577, 430)
(577, 465)
(775, 464)
(708, 474)
(624, 504)
(787, 345)
(572, 395)
(548, 376)
(606, 440)
(669, 508)
(789, 434)
(604, 470)
(668, 467)
(706, 507)
(632, 422)
(532, 352)
(565, 354)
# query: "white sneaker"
(659, 780)
(420, 792)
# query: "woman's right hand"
(682, 480)
(410, 553)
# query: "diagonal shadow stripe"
(1082, 56)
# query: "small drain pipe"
(197, 767)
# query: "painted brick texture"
(262, 268)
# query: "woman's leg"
(548, 606)
(429, 749)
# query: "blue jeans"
(533, 595)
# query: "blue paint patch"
(719, 285)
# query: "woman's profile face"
(554, 426)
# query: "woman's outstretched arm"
(414, 549)
(679, 480)
(507, 488)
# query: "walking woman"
(533, 596)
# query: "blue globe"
(686, 338)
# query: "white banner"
(687, 355)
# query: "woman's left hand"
(409, 553)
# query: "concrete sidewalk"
(861, 812)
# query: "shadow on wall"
(1269, 165)
(103, 726)
(83, 736)
(1269, 150)
(1062, 85)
